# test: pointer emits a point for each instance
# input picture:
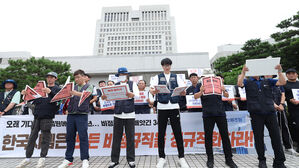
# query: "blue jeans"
(77, 122)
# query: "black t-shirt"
(44, 109)
(289, 95)
(212, 105)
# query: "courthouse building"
(136, 39)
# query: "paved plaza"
(195, 161)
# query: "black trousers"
(285, 132)
(295, 118)
(209, 123)
(43, 125)
(174, 116)
(118, 129)
(270, 121)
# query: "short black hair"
(79, 72)
(193, 74)
(88, 75)
(166, 61)
(102, 81)
(142, 80)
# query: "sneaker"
(210, 163)
(41, 163)
(85, 163)
(65, 164)
(24, 163)
(182, 163)
(231, 164)
(262, 164)
(113, 164)
(161, 163)
(291, 151)
(132, 164)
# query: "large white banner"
(15, 131)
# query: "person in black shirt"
(261, 108)
(279, 105)
(213, 113)
(194, 88)
(293, 105)
(44, 112)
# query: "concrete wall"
(99, 67)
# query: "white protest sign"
(188, 83)
(182, 77)
(242, 93)
(136, 79)
(295, 94)
(141, 99)
(162, 88)
(231, 93)
(260, 67)
(192, 102)
(106, 105)
(198, 71)
(152, 79)
(117, 92)
(113, 78)
(68, 80)
(178, 90)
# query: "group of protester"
(265, 102)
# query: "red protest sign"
(64, 93)
(83, 97)
(212, 85)
(30, 94)
(38, 88)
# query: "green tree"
(287, 42)
(30, 71)
(252, 49)
(230, 67)
(286, 47)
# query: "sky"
(67, 27)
